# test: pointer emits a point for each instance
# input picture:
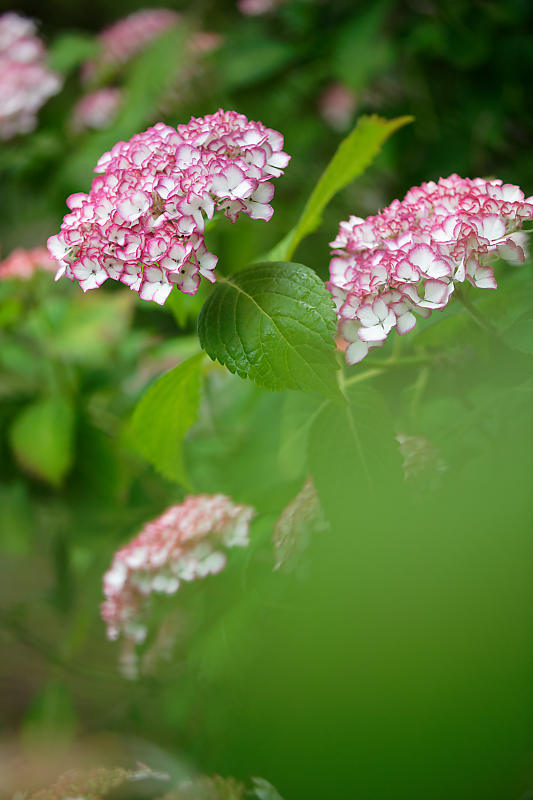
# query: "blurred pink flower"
(254, 8)
(408, 258)
(189, 541)
(337, 105)
(96, 110)
(23, 264)
(128, 36)
(26, 83)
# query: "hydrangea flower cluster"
(187, 542)
(26, 83)
(23, 264)
(407, 258)
(96, 110)
(143, 221)
(127, 37)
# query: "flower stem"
(363, 376)
(478, 318)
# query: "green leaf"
(298, 414)
(245, 60)
(361, 50)
(353, 156)
(163, 416)
(236, 439)
(17, 519)
(186, 307)
(273, 323)
(51, 716)
(353, 456)
(69, 50)
(520, 335)
(88, 329)
(42, 439)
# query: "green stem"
(406, 361)
(418, 391)
(472, 311)
(364, 376)
(381, 367)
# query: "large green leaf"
(353, 457)
(163, 416)
(354, 154)
(42, 438)
(273, 323)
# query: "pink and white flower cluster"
(96, 110)
(127, 37)
(407, 258)
(26, 83)
(23, 264)
(187, 542)
(143, 221)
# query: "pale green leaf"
(273, 323)
(42, 439)
(354, 154)
(69, 50)
(163, 416)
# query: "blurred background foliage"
(395, 660)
